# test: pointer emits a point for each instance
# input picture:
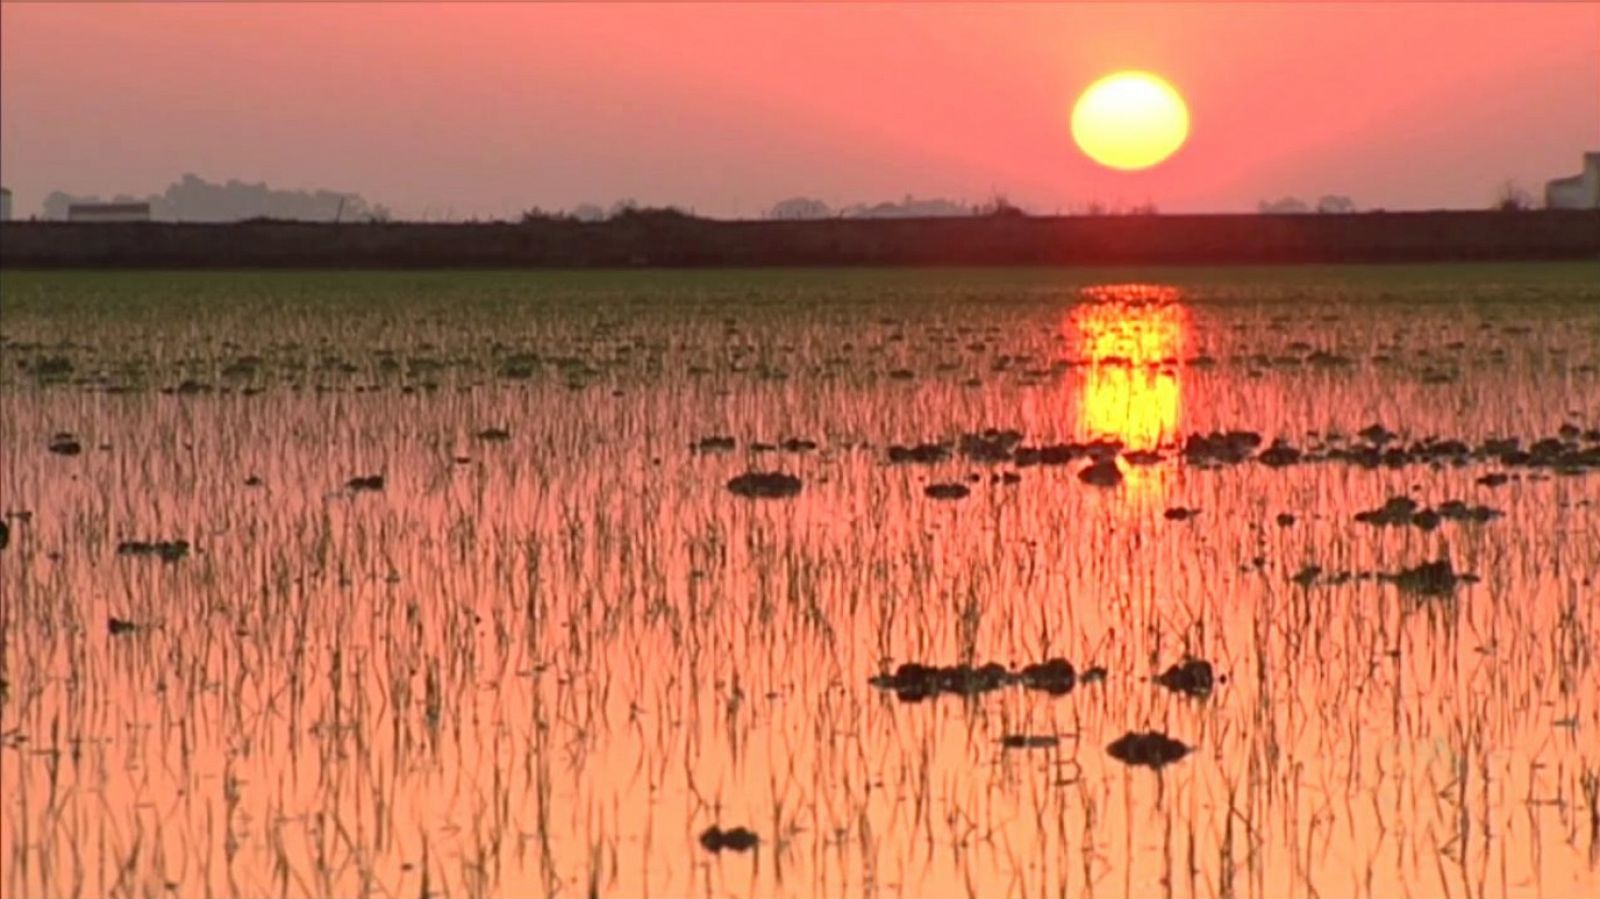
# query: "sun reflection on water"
(1130, 338)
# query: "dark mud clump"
(494, 435)
(1179, 513)
(797, 445)
(5, 534)
(365, 482)
(120, 626)
(1376, 433)
(912, 682)
(989, 445)
(924, 453)
(1438, 578)
(1054, 676)
(1402, 510)
(1220, 447)
(165, 550)
(64, 444)
(1093, 675)
(1285, 519)
(716, 443)
(1279, 455)
(1053, 454)
(1457, 510)
(52, 368)
(1396, 511)
(736, 839)
(947, 491)
(1029, 741)
(765, 485)
(1103, 473)
(1150, 749)
(1191, 677)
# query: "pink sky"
(458, 110)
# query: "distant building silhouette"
(5, 204)
(194, 199)
(1336, 203)
(1580, 191)
(1284, 206)
(909, 208)
(108, 212)
(799, 209)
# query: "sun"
(1130, 120)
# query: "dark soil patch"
(1191, 677)
(737, 839)
(165, 550)
(765, 485)
(1150, 749)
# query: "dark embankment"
(667, 239)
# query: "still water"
(404, 584)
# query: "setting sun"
(1130, 120)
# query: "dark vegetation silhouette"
(667, 237)
(1513, 197)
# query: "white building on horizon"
(1581, 191)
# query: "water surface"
(553, 648)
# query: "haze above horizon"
(464, 110)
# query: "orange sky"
(456, 110)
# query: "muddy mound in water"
(1103, 473)
(165, 550)
(1396, 510)
(1399, 511)
(1149, 749)
(64, 444)
(1054, 676)
(922, 453)
(1191, 677)
(1030, 741)
(737, 839)
(1220, 447)
(1438, 578)
(1279, 454)
(989, 445)
(946, 491)
(914, 682)
(371, 482)
(765, 485)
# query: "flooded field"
(1193, 582)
